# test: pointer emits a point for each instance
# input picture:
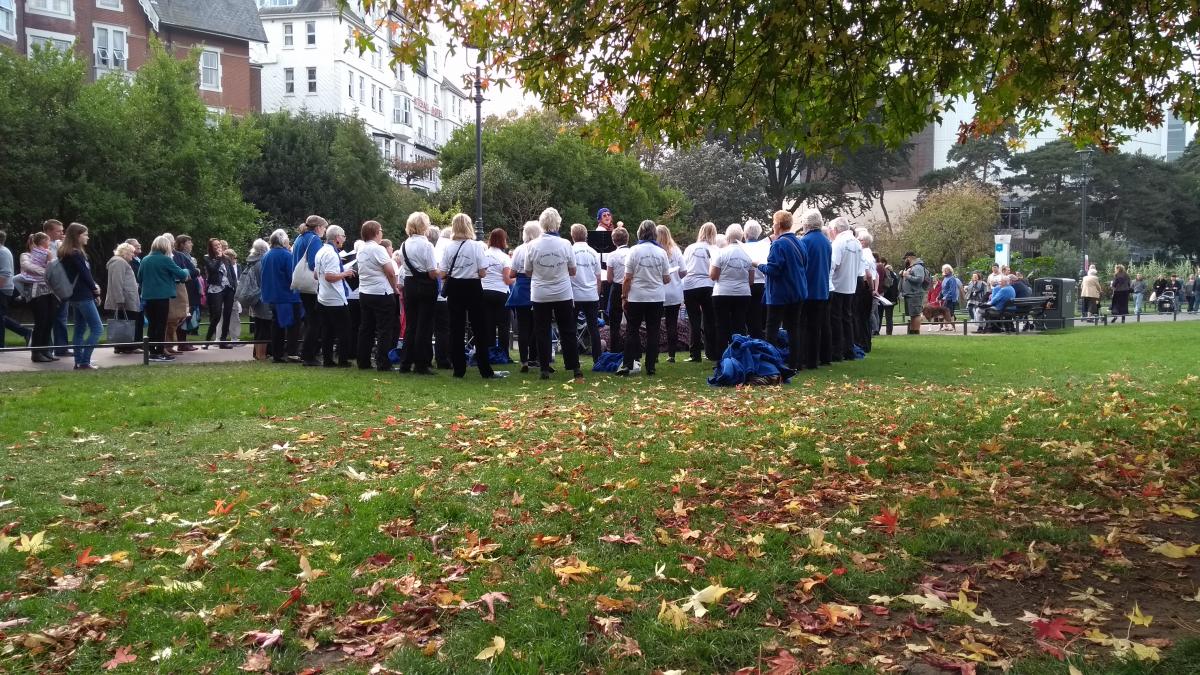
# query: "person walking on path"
(914, 284)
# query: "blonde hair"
(418, 223)
(461, 228)
(707, 234)
(162, 244)
(734, 233)
(550, 220)
(666, 240)
(578, 232)
(123, 248)
(947, 269)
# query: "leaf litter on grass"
(860, 534)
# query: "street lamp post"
(478, 154)
(1085, 156)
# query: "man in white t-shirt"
(864, 297)
(551, 264)
(647, 273)
(333, 311)
(844, 270)
(585, 285)
(376, 297)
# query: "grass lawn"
(978, 503)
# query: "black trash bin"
(1060, 308)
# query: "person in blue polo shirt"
(1002, 296)
(818, 255)
(787, 286)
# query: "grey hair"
(812, 220)
(333, 232)
(163, 244)
(647, 231)
(260, 247)
(841, 224)
(531, 231)
(278, 239)
(864, 236)
(433, 234)
(550, 219)
(752, 229)
(734, 233)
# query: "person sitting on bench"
(1000, 303)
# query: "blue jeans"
(1138, 299)
(87, 318)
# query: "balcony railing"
(426, 141)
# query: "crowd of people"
(816, 290)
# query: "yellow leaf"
(928, 602)
(5, 542)
(174, 586)
(1181, 511)
(1173, 551)
(1137, 618)
(963, 605)
(623, 584)
(118, 556)
(940, 520)
(418, 491)
(708, 596)
(574, 571)
(32, 545)
(672, 615)
(307, 572)
(491, 652)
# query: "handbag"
(419, 285)
(121, 330)
(192, 322)
(304, 278)
(451, 268)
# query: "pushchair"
(1166, 303)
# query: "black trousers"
(841, 324)
(418, 331)
(286, 341)
(698, 302)
(355, 322)
(441, 333)
(335, 327)
(730, 311)
(220, 310)
(378, 330)
(788, 317)
(671, 315)
(818, 342)
(590, 309)
(156, 314)
(498, 319)
(561, 314)
(526, 341)
(311, 342)
(464, 298)
(863, 299)
(616, 341)
(648, 313)
(887, 314)
(44, 307)
(756, 313)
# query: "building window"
(372, 97)
(36, 39)
(362, 87)
(8, 19)
(350, 85)
(57, 8)
(400, 72)
(288, 36)
(408, 111)
(312, 80)
(310, 32)
(435, 130)
(289, 81)
(379, 99)
(109, 4)
(111, 45)
(210, 70)
(1176, 137)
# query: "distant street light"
(1085, 156)
(479, 234)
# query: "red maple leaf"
(855, 461)
(1054, 628)
(887, 519)
(86, 558)
(121, 656)
(783, 663)
(293, 595)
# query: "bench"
(1025, 310)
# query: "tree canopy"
(670, 71)
(723, 186)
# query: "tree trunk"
(887, 219)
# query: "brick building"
(114, 36)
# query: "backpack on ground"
(60, 284)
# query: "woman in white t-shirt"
(519, 301)
(376, 296)
(697, 293)
(673, 297)
(733, 273)
(616, 278)
(646, 279)
(495, 293)
(551, 264)
(585, 285)
(462, 269)
(418, 268)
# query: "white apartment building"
(311, 63)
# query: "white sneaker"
(496, 374)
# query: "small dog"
(940, 315)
